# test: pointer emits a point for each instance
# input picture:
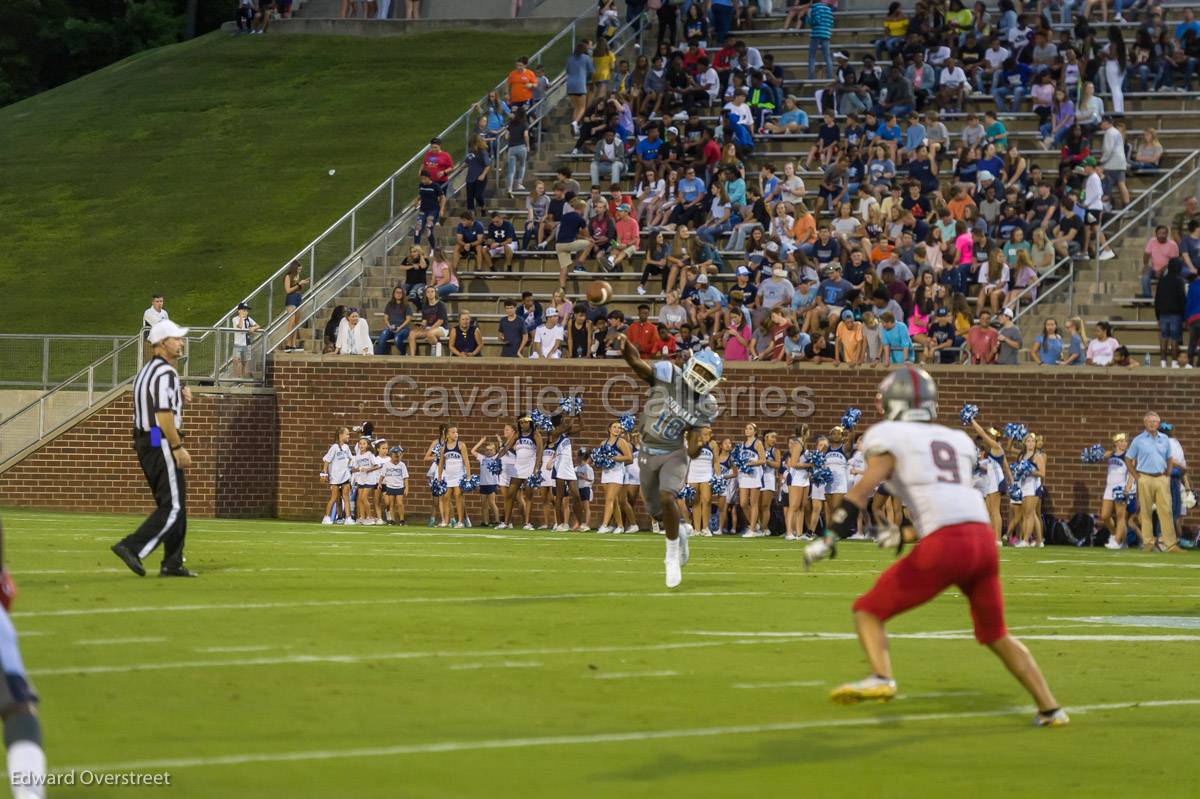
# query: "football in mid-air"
(599, 292)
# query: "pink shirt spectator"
(439, 273)
(918, 323)
(734, 349)
(1160, 252)
(1101, 352)
(628, 231)
(965, 245)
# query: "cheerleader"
(836, 461)
(366, 476)
(380, 445)
(394, 479)
(855, 468)
(613, 480)
(727, 502)
(520, 446)
(485, 453)
(816, 496)
(750, 479)
(336, 472)
(770, 478)
(699, 477)
(1031, 492)
(633, 486)
(798, 483)
(545, 491)
(991, 474)
(586, 476)
(432, 454)
(454, 466)
(1113, 514)
(566, 478)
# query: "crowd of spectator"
(916, 243)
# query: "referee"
(157, 397)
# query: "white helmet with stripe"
(908, 395)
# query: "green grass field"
(310, 661)
(198, 169)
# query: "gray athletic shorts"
(14, 687)
(661, 473)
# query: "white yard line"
(504, 664)
(633, 675)
(232, 649)
(411, 600)
(880, 720)
(114, 641)
(783, 684)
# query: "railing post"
(391, 198)
(353, 231)
(312, 266)
(45, 363)
(41, 416)
(270, 301)
(1071, 289)
(91, 384)
(117, 361)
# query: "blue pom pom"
(687, 494)
(1119, 494)
(437, 487)
(851, 418)
(968, 413)
(628, 422)
(822, 476)
(1093, 454)
(1014, 431)
(437, 449)
(541, 421)
(1021, 470)
(571, 406)
(741, 456)
(494, 465)
(604, 457)
(471, 483)
(534, 480)
(814, 458)
(1015, 493)
(719, 485)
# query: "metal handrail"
(1069, 262)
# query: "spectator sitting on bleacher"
(465, 341)
(397, 325)
(430, 328)
(500, 242)
(1102, 348)
(643, 333)
(549, 336)
(443, 275)
(353, 336)
(1181, 222)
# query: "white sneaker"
(749, 534)
(349, 521)
(641, 290)
(1020, 544)
(789, 537)
(583, 529)
(685, 530)
(633, 528)
(1107, 254)
(562, 528)
(1112, 543)
(327, 520)
(527, 527)
(656, 528)
(604, 529)
(459, 526)
(443, 524)
(674, 574)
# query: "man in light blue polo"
(1149, 456)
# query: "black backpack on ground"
(1083, 529)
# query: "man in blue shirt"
(647, 151)
(896, 342)
(690, 208)
(1149, 456)
(468, 241)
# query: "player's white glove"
(889, 536)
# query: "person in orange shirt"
(643, 334)
(883, 250)
(804, 231)
(959, 203)
(851, 344)
(521, 82)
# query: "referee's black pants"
(167, 525)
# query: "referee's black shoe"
(129, 559)
(178, 571)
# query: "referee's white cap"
(166, 329)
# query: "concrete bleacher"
(1175, 115)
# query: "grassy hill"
(197, 169)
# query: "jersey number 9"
(945, 461)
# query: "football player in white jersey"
(930, 468)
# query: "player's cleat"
(327, 520)
(178, 571)
(685, 530)
(1054, 718)
(872, 688)
(674, 574)
(129, 559)
(819, 550)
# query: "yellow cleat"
(870, 689)
(1058, 718)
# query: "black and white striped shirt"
(156, 388)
